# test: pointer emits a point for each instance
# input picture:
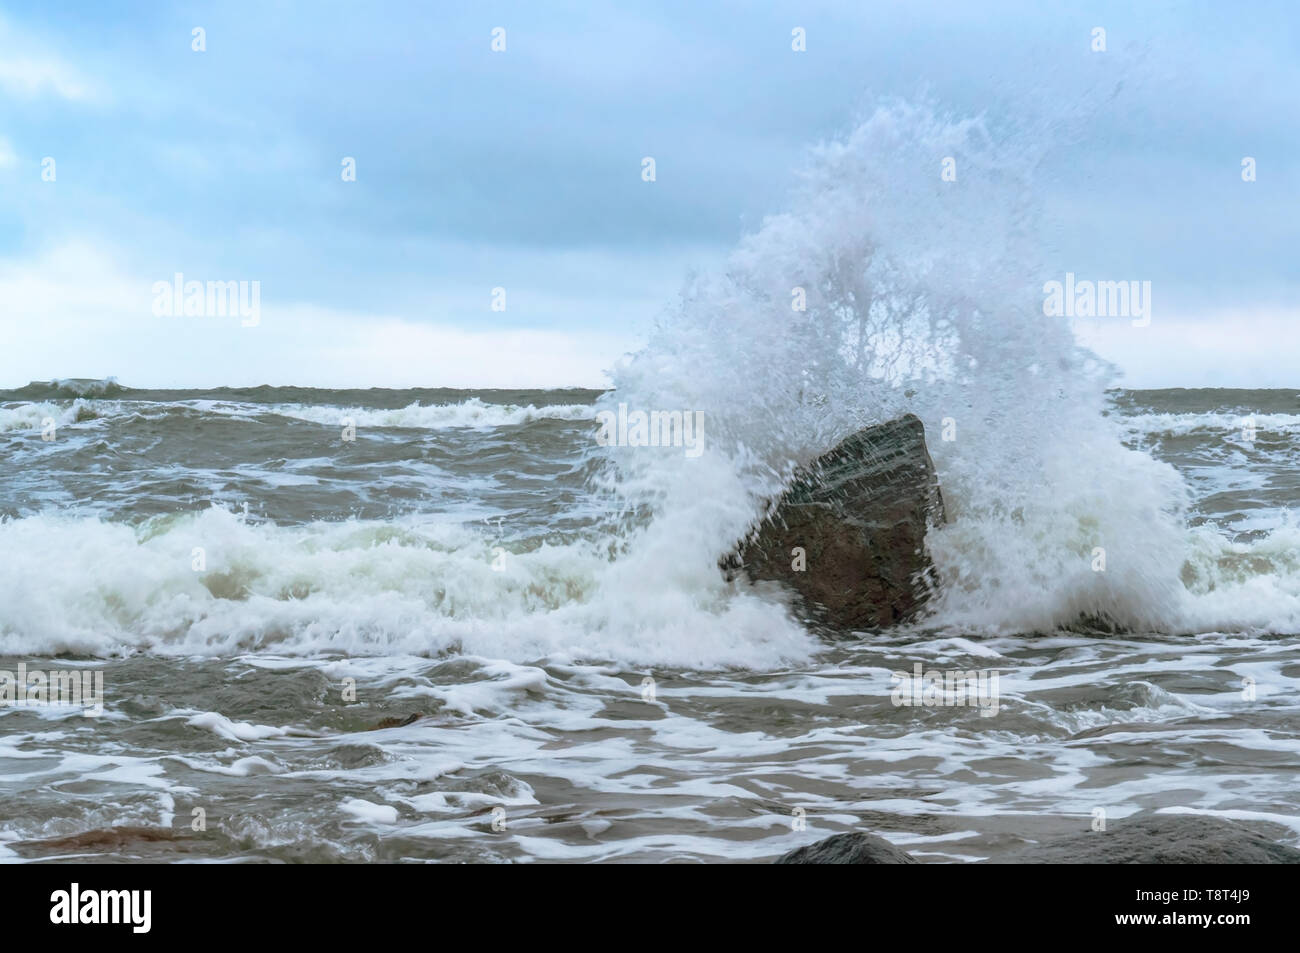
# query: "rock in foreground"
(855, 848)
(1158, 839)
(859, 513)
(1144, 839)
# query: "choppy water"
(464, 561)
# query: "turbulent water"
(373, 559)
(438, 625)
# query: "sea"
(384, 625)
(418, 625)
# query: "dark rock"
(860, 513)
(1143, 839)
(395, 722)
(105, 840)
(855, 848)
(1158, 839)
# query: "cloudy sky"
(521, 169)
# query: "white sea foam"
(369, 811)
(472, 413)
(468, 413)
(32, 416)
(1183, 424)
(232, 730)
(361, 587)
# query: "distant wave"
(468, 413)
(1182, 424)
(472, 413)
(68, 387)
(32, 416)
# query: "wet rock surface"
(1142, 839)
(855, 848)
(858, 515)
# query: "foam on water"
(470, 413)
(473, 412)
(32, 416)
(1224, 423)
(359, 587)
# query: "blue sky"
(522, 170)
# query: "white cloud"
(30, 77)
(7, 155)
(72, 312)
(363, 350)
(1247, 348)
(27, 72)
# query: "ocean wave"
(70, 387)
(1204, 583)
(878, 293)
(468, 413)
(364, 588)
(33, 416)
(1178, 425)
(917, 299)
(472, 413)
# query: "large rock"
(855, 848)
(1158, 839)
(860, 514)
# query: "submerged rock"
(855, 848)
(1143, 839)
(1158, 839)
(859, 514)
(395, 722)
(107, 840)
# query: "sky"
(521, 169)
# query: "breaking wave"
(924, 296)
(881, 290)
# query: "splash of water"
(922, 295)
